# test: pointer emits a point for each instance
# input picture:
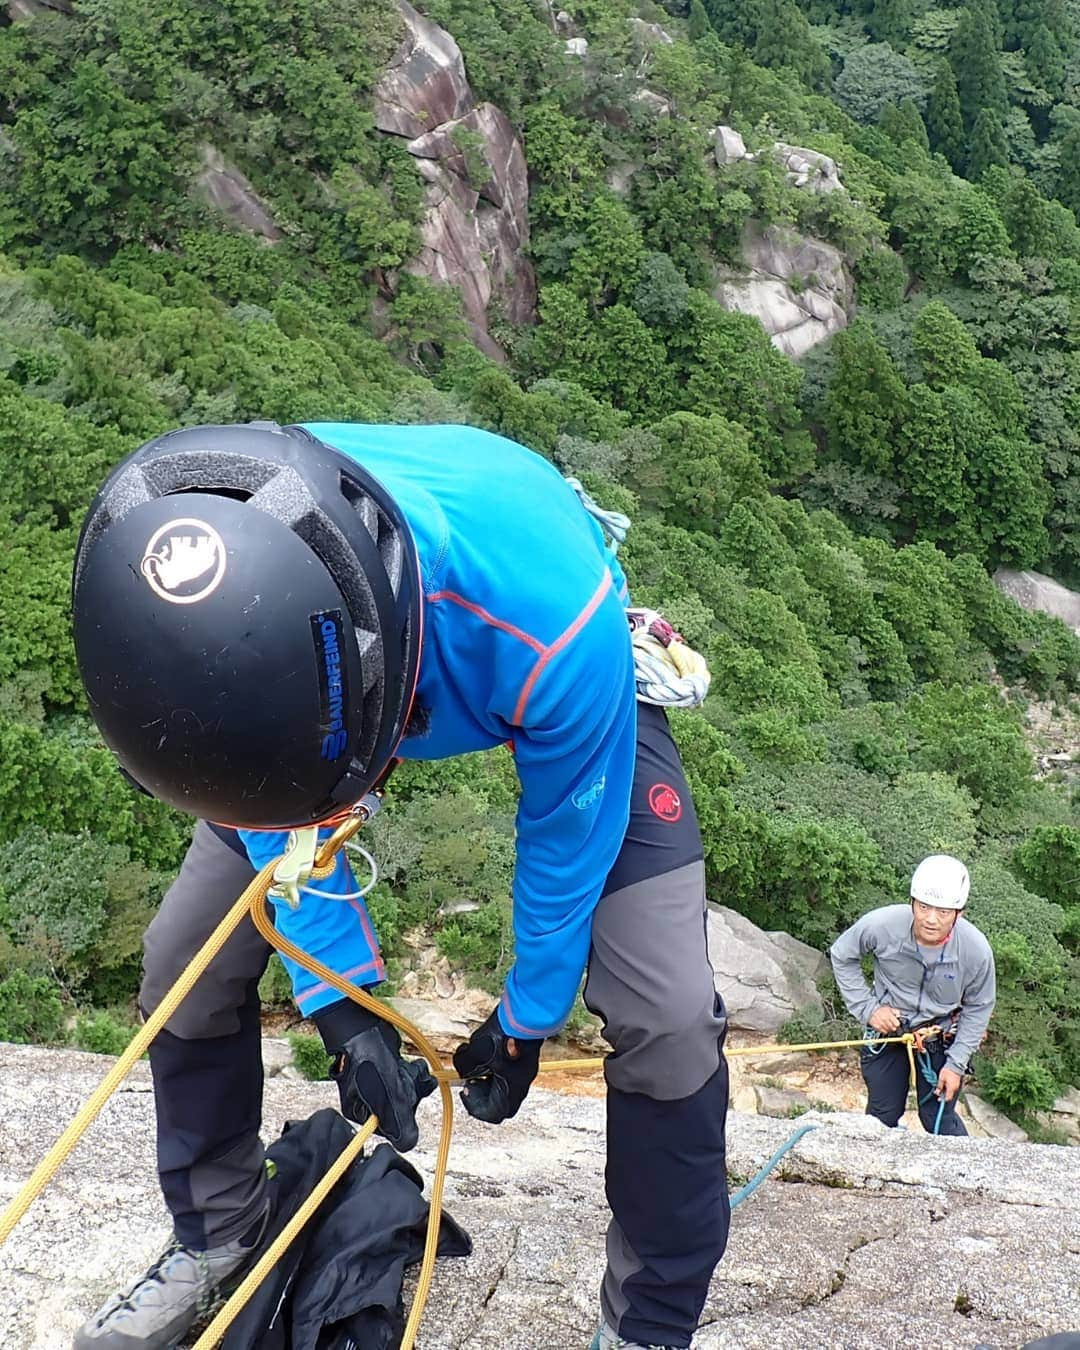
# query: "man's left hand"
(498, 1070)
(948, 1083)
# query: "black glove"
(371, 1076)
(498, 1070)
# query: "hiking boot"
(182, 1286)
(606, 1339)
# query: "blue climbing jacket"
(525, 642)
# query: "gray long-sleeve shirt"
(922, 985)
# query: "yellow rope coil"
(265, 924)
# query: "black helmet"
(247, 623)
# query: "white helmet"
(941, 881)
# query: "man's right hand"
(885, 1020)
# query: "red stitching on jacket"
(560, 642)
(456, 599)
(518, 1026)
(322, 987)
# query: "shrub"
(103, 1034)
(76, 907)
(971, 732)
(1020, 1086)
(309, 1055)
(275, 987)
(30, 1009)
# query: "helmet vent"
(235, 494)
(379, 526)
(327, 542)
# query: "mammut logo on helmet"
(589, 796)
(664, 802)
(184, 561)
(333, 695)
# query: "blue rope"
(927, 1071)
(745, 1192)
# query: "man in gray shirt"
(930, 966)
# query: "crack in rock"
(501, 1271)
(839, 1277)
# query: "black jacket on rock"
(339, 1285)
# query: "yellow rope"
(597, 1062)
(265, 924)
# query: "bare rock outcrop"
(425, 83)
(222, 186)
(650, 34)
(475, 229)
(728, 146)
(26, 9)
(763, 978)
(798, 287)
(1035, 591)
(808, 169)
(889, 1240)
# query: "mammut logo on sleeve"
(589, 796)
(664, 802)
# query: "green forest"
(823, 530)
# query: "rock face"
(476, 227)
(991, 1120)
(889, 1241)
(798, 287)
(808, 169)
(1064, 1115)
(656, 103)
(224, 187)
(783, 1102)
(763, 978)
(26, 9)
(425, 83)
(728, 146)
(650, 34)
(1033, 590)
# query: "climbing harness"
(286, 877)
(918, 1055)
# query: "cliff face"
(476, 226)
(887, 1240)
